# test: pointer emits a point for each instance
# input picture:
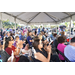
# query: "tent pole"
(70, 30)
(56, 27)
(15, 25)
(1, 20)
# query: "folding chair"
(66, 59)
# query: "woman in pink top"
(61, 46)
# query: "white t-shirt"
(69, 52)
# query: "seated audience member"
(3, 54)
(16, 40)
(55, 43)
(27, 51)
(9, 47)
(0, 46)
(3, 38)
(54, 57)
(22, 37)
(43, 35)
(54, 36)
(40, 37)
(51, 36)
(40, 55)
(8, 34)
(69, 50)
(29, 39)
(61, 46)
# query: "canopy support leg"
(15, 25)
(70, 30)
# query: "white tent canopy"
(38, 17)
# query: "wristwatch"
(18, 47)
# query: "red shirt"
(9, 51)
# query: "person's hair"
(28, 33)
(36, 43)
(54, 35)
(40, 36)
(62, 33)
(61, 39)
(0, 44)
(16, 37)
(7, 41)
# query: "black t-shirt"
(42, 52)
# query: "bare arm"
(17, 51)
(42, 58)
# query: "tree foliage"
(8, 24)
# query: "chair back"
(66, 59)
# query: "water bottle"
(12, 56)
(0, 59)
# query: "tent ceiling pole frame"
(20, 14)
(15, 25)
(34, 17)
(54, 16)
(50, 16)
(1, 20)
(66, 17)
(66, 13)
(14, 17)
(41, 22)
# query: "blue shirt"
(38, 30)
(21, 37)
(69, 52)
(28, 39)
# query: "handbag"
(4, 56)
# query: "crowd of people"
(35, 45)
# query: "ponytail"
(7, 39)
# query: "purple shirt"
(61, 47)
(15, 43)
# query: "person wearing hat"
(69, 50)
